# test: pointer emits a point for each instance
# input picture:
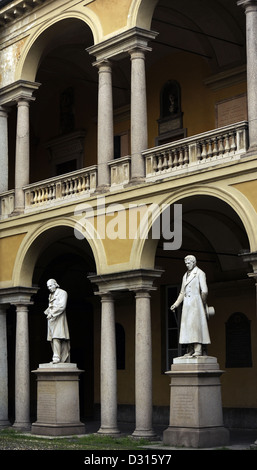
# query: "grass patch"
(11, 439)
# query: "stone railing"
(119, 172)
(80, 183)
(193, 153)
(6, 203)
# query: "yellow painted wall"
(8, 250)
(113, 14)
(197, 100)
(249, 189)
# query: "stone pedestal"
(58, 400)
(196, 418)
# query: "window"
(121, 145)
(238, 341)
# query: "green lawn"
(11, 439)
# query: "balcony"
(203, 151)
(219, 146)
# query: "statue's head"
(190, 261)
(52, 285)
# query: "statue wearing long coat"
(57, 322)
(193, 294)
(58, 325)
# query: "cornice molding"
(119, 45)
(16, 9)
(22, 89)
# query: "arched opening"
(60, 255)
(62, 118)
(214, 233)
(63, 123)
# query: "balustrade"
(77, 184)
(220, 145)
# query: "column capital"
(247, 4)
(137, 53)
(103, 65)
(22, 89)
(143, 293)
(134, 280)
(252, 259)
(119, 45)
(3, 111)
(17, 295)
(106, 296)
(3, 308)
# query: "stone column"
(3, 370)
(105, 151)
(108, 368)
(22, 383)
(22, 160)
(143, 366)
(250, 7)
(139, 133)
(3, 150)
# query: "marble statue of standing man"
(58, 331)
(193, 328)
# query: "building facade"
(128, 139)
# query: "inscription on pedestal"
(195, 404)
(58, 400)
(183, 407)
(46, 402)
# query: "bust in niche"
(170, 99)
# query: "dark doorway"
(70, 270)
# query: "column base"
(4, 423)
(17, 211)
(108, 431)
(23, 426)
(135, 181)
(144, 433)
(104, 188)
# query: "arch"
(141, 13)
(34, 243)
(144, 246)
(42, 37)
